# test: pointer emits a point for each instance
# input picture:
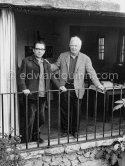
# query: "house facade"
(100, 25)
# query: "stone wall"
(73, 154)
(78, 158)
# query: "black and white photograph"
(62, 83)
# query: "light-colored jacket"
(83, 65)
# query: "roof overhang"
(73, 7)
(98, 5)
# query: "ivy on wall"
(113, 154)
(9, 153)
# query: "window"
(122, 50)
(101, 48)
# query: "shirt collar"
(39, 60)
(74, 56)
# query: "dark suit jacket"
(28, 76)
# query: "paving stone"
(80, 152)
(29, 163)
(72, 148)
(54, 163)
(66, 162)
(95, 163)
(54, 151)
(61, 164)
(82, 159)
(81, 164)
(38, 163)
(72, 156)
(32, 154)
(87, 145)
(46, 164)
(47, 158)
(87, 154)
(75, 163)
(57, 158)
(93, 153)
(65, 159)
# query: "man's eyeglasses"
(40, 49)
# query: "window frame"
(101, 48)
(122, 49)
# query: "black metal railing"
(97, 121)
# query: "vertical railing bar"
(78, 116)
(59, 117)
(120, 113)
(2, 116)
(27, 131)
(104, 113)
(10, 130)
(18, 108)
(68, 114)
(95, 116)
(87, 114)
(107, 106)
(38, 120)
(14, 114)
(112, 112)
(10, 84)
(48, 92)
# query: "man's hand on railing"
(63, 88)
(47, 61)
(26, 91)
(101, 87)
(49, 64)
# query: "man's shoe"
(41, 140)
(64, 134)
(74, 134)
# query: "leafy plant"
(111, 153)
(9, 153)
(121, 103)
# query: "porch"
(90, 26)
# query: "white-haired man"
(73, 65)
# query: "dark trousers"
(74, 112)
(33, 119)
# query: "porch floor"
(90, 127)
(86, 129)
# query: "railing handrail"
(57, 90)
